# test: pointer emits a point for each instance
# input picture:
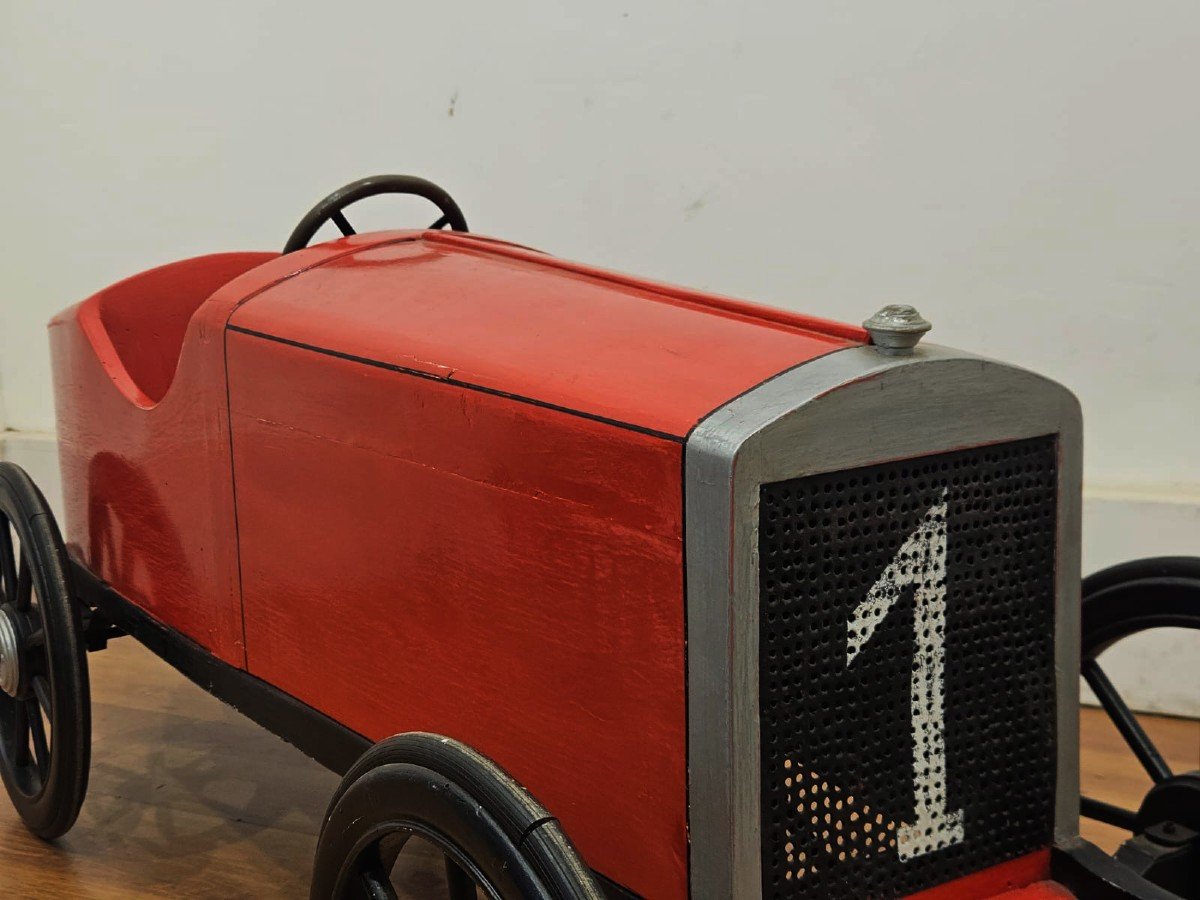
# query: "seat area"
(146, 316)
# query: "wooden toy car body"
(379, 493)
(424, 481)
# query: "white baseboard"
(1156, 672)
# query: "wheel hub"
(10, 656)
(1175, 800)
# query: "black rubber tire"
(48, 805)
(445, 792)
(1161, 592)
(1119, 602)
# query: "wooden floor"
(188, 799)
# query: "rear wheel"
(45, 716)
(426, 790)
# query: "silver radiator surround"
(851, 408)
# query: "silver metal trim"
(852, 408)
(10, 655)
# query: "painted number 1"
(921, 564)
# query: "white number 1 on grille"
(921, 564)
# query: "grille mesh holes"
(837, 740)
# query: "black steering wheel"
(330, 209)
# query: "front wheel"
(45, 704)
(496, 841)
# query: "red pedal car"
(603, 587)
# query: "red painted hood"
(510, 320)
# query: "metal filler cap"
(896, 329)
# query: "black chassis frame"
(1081, 867)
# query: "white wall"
(1026, 173)
(1157, 671)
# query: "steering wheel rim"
(330, 208)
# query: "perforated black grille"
(906, 678)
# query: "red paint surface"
(1042, 890)
(418, 556)
(143, 434)
(514, 572)
(1023, 878)
(514, 320)
(149, 503)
